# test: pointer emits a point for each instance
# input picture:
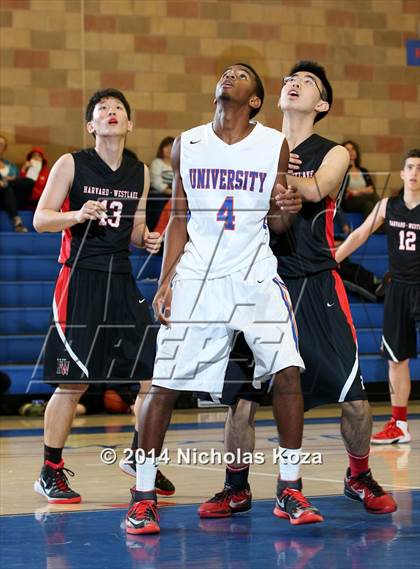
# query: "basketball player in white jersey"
(219, 276)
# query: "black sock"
(52, 454)
(237, 478)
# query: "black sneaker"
(53, 484)
(163, 485)
(292, 504)
(142, 516)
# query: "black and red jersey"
(308, 246)
(402, 226)
(102, 245)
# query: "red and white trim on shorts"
(345, 307)
(60, 301)
(66, 236)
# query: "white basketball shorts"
(192, 354)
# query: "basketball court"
(92, 533)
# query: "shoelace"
(297, 497)
(61, 479)
(371, 484)
(223, 495)
(144, 509)
(391, 429)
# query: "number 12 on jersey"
(407, 241)
(226, 214)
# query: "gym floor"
(91, 534)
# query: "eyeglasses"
(307, 80)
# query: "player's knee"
(394, 366)
(161, 396)
(241, 415)
(72, 391)
(356, 411)
(287, 380)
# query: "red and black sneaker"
(163, 485)
(292, 504)
(53, 484)
(227, 503)
(393, 432)
(364, 488)
(142, 516)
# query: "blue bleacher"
(28, 267)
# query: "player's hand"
(288, 200)
(294, 163)
(91, 210)
(162, 304)
(152, 242)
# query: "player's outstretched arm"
(328, 178)
(176, 237)
(286, 201)
(48, 216)
(362, 233)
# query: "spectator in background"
(161, 176)
(161, 173)
(36, 170)
(8, 175)
(359, 190)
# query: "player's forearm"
(48, 220)
(176, 237)
(308, 188)
(280, 222)
(353, 242)
(138, 234)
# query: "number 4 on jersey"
(226, 214)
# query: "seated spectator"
(161, 173)
(8, 175)
(36, 170)
(161, 176)
(359, 190)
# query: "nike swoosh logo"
(135, 522)
(280, 503)
(141, 301)
(260, 281)
(234, 504)
(194, 141)
(329, 305)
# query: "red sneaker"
(142, 516)
(292, 504)
(393, 432)
(227, 503)
(364, 488)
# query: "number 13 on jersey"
(226, 214)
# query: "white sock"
(289, 463)
(146, 475)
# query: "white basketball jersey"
(228, 187)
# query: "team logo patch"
(63, 366)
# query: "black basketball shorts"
(327, 344)
(401, 319)
(101, 330)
